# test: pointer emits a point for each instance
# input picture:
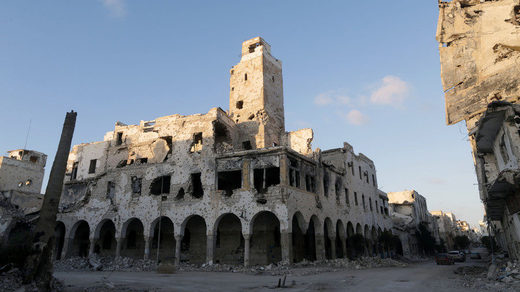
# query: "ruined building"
(21, 177)
(409, 210)
(480, 52)
(220, 187)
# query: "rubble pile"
(501, 277)
(96, 263)
(302, 268)
(11, 280)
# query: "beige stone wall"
(479, 44)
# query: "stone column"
(119, 244)
(210, 249)
(178, 240)
(246, 174)
(65, 249)
(333, 247)
(147, 247)
(287, 248)
(91, 246)
(284, 170)
(247, 254)
(320, 247)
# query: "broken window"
(246, 145)
(74, 173)
(180, 194)
(160, 185)
(337, 187)
(351, 166)
(33, 159)
(374, 180)
(364, 205)
(386, 211)
(360, 174)
(245, 77)
(347, 200)
(119, 140)
(92, 166)
(111, 189)
(381, 209)
(294, 173)
(266, 177)
(196, 145)
(377, 207)
(370, 204)
(240, 104)
(229, 181)
(366, 176)
(196, 184)
(503, 149)
(355, 198)
(310, 183)
(137, 182)
(143, 160)
(325, 184)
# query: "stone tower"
(256, 96)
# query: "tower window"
(240, 104)
(245, 77)
(119, 138)
(92, 166)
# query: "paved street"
(422, 277)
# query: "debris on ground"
(12, 281)
(503, 276)
(97, 263)
(302, 268)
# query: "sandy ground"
(423, 277)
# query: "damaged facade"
(221, 187)
(480, 51)
(21, 177)
(409, 211)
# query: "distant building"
(21, 177)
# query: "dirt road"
(423, 277)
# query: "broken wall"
(479, 51)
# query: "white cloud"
(331, 97)
(356, 117)
(116, 8)
(323, 99)
(393, 91)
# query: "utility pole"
(38, 266)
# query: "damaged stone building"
(480, 52)
(409, 211)
(21, 177)
(221, 187)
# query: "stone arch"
(105, 238)
(229, 245)
(299, 229)
(359, 229)
(265, 244)
(341, 239)
(132, 235)
(59, 236)
(328, 234)
(80, 235)
(310, 238)
(162, 239)
(194, 240)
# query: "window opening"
(137, 183)
(92, 166)
(119, 140)
(265, 177)
(196, 183)
(196, 145)
(160, 185)
(229, 181)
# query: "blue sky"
(365, 72)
